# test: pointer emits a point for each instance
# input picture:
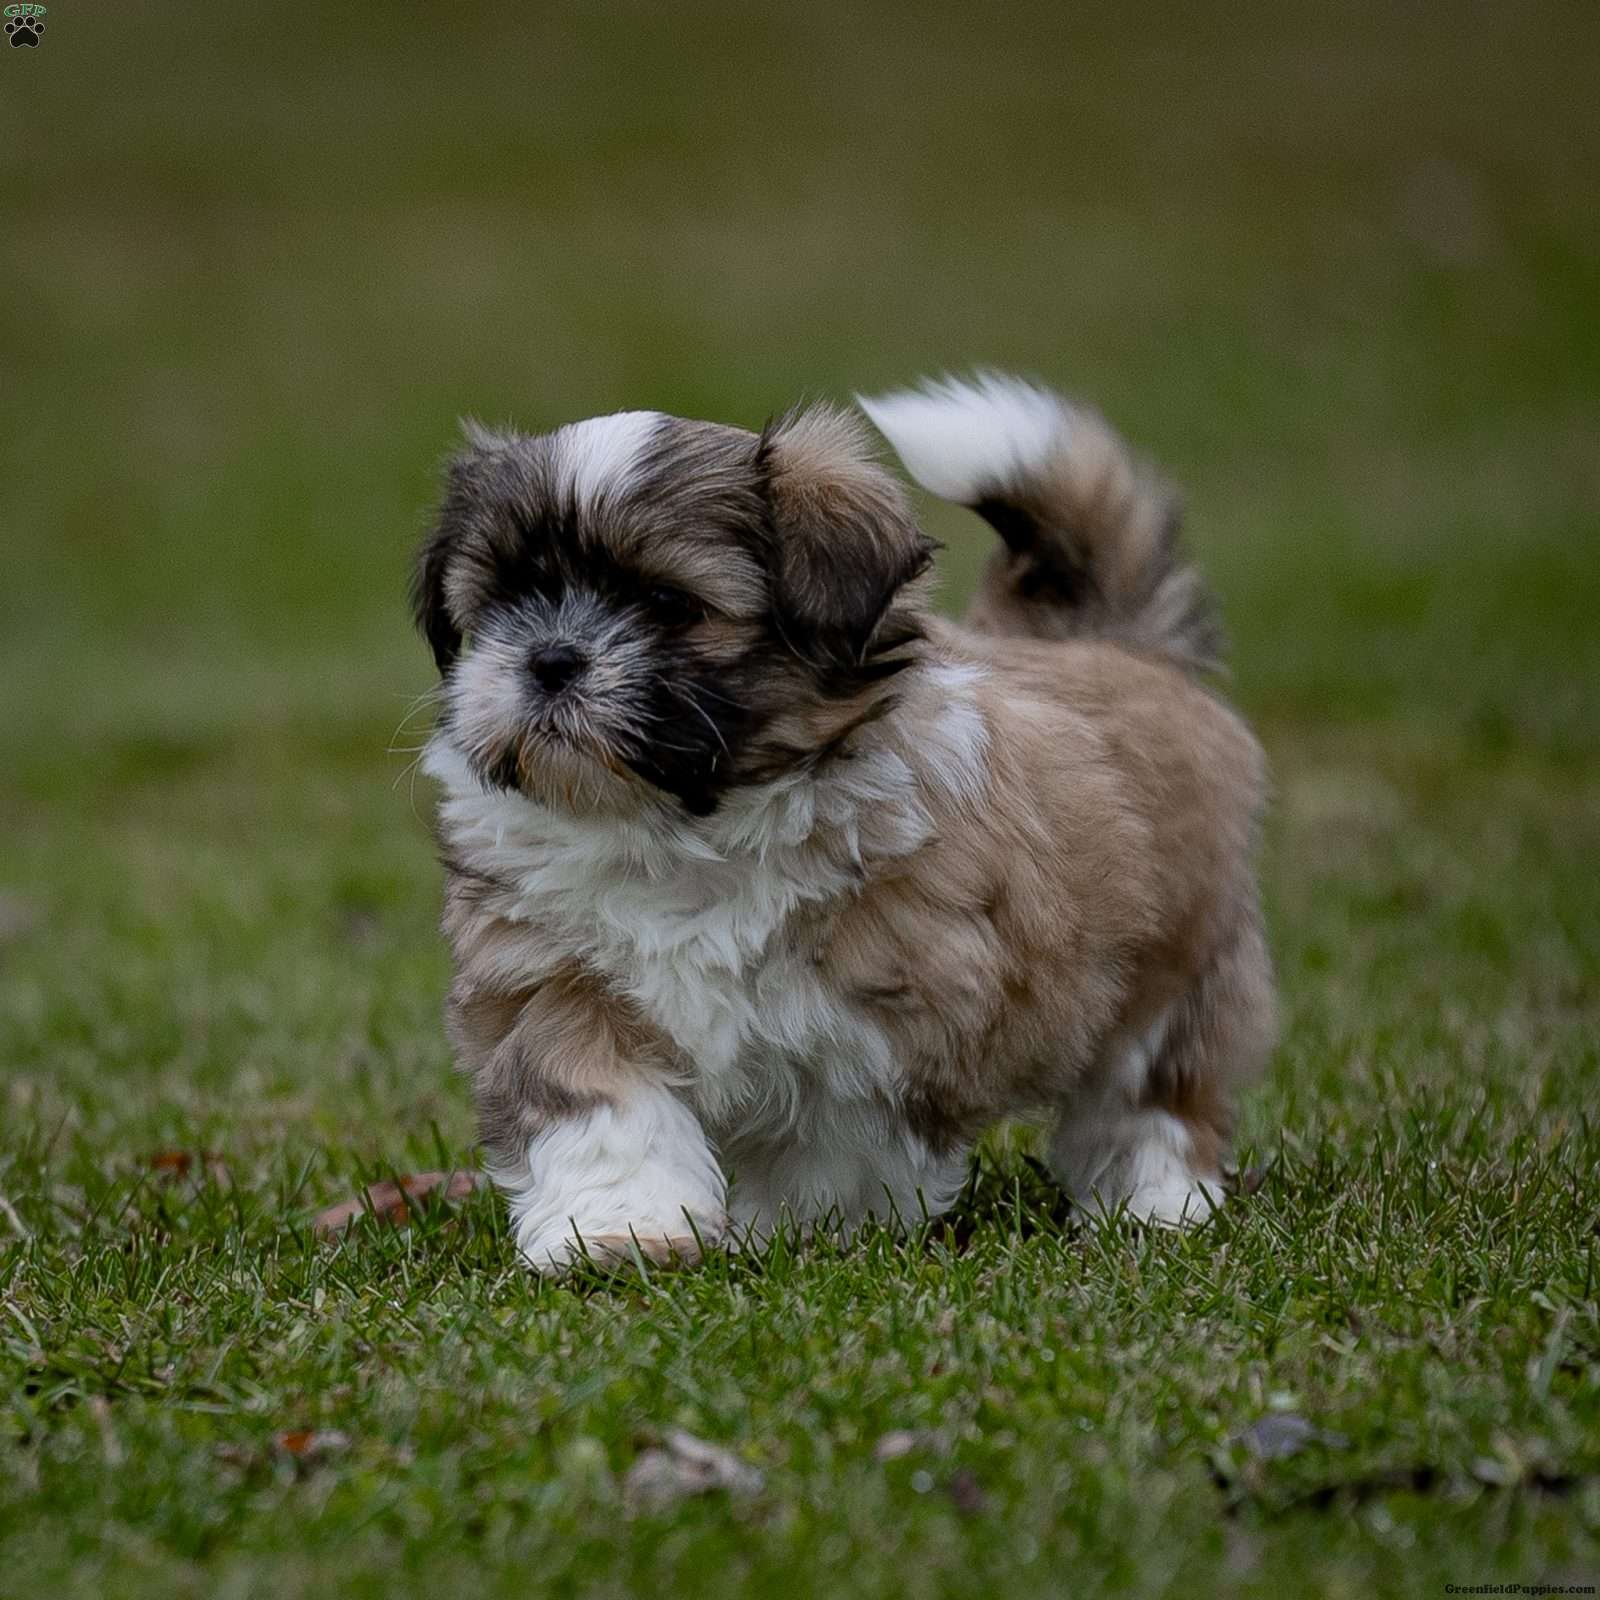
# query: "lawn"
(1337, 269)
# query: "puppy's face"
(639, 610)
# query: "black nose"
(556, 666)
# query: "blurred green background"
(1335, 267)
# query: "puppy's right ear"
(446, 547)
(428, 603)
(845, 543)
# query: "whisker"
(419, 703)
(714, 694)
(689, 700)
(409, 770)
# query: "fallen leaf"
(681, 1466)
(897, 1443)
(179, 1163)
(1250, 1180)
(390, 1200)
(901, 1442)
(1281, 1434)
(306, 1444)
(965, 1490)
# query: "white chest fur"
(692, 918)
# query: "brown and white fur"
(768, 888)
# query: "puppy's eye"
(673, 604)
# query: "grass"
(1336, 269)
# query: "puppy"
(769, 888)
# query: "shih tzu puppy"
(768, 887)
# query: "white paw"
(1144, 1159)
(1184, 1203)
(639, 1175)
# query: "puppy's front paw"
(658, 1245)
(1177, 1203)
(613, 1238)
(617, 1183)
(681, 1249)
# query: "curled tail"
(1091, 539)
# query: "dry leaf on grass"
(1240, 1467)
(390, 1200)
(901, 1442)
(1248, 1181)
(965, 1492)
(307, 1444)
(301, 1446)
(180, 1163)
(896, 1443)
(681, 1466)
(1281, 1434)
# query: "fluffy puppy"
(768, 888)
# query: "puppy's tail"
(1090, 538)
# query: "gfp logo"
(24, 24)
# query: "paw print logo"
(24, 25)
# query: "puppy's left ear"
(844, 540)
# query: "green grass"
(1337, 269)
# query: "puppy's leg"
(584, 1132)
(1154, 1130)
(889, 1173)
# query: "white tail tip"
(967, 439)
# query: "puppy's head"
(638, 609)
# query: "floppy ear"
(844, 543)
(459, 514)
(428, 604)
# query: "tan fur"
(1106, 875)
